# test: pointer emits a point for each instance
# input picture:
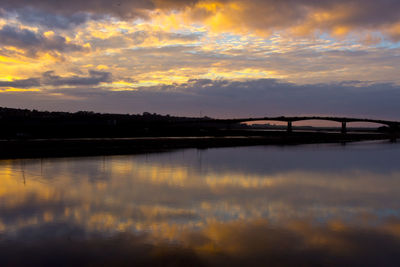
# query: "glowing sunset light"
(254, 57)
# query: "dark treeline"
(33, 124)
(31, 133)
(24, 123)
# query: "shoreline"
(77, 147)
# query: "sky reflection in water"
(312, 204)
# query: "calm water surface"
(323, 205)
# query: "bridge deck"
(304, 118)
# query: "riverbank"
(39, 148)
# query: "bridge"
(393, 125)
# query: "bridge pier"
(344, 129)
(289, 127)
(394, 133)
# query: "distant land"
(30, 124)
(32, 133)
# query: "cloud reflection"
(250, 243)
(209, 205)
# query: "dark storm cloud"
(69, 14)
(50, 79)
(94, 78)
(33, 42)
(121, 8)
(223, 98)
(126, 9)
(23, 83)
(32, 16)
(254, 13)
(267, 97)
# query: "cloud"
(264, 16)
(22, 83)
(94, 78)
(301, 17)
(32, 16)
(144, 38)
(122, 8)
(162, 35)
(33, 42)
(263, 97)
(50, 79)
(150, 55)
(222, 98)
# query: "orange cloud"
(299, 17)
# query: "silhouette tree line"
(24, 123)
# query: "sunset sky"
(223, 58)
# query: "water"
(292, 205)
